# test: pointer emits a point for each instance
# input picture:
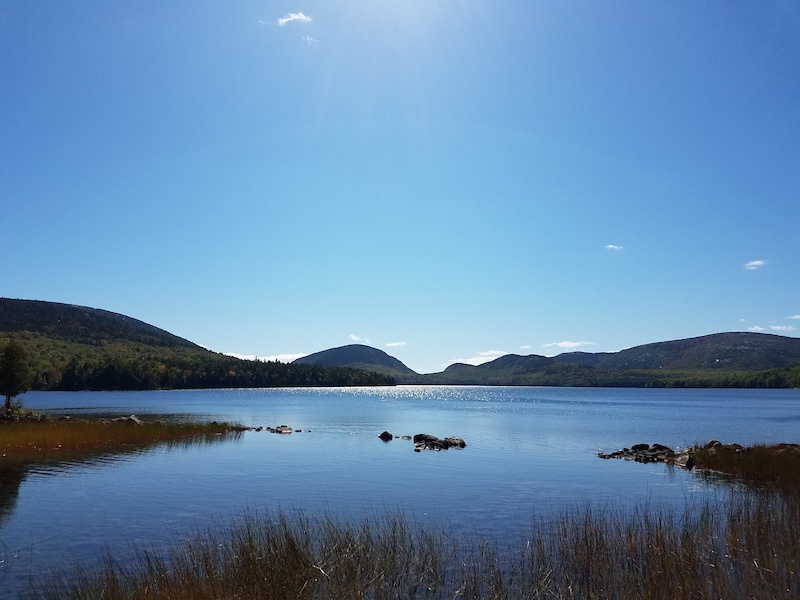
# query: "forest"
(108, 365)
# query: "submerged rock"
(386, 436)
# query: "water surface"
(529, 451)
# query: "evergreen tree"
(15, 375)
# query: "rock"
(425, 441)
(646, 453)
(455, 442)
(712, 444)
(283, 429)
(133, 420)
(386, 436)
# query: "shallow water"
(529, 451)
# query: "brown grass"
(775, 465)
(746, 548)
(34, 441)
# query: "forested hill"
(358, 356)
(732, 350)
(81, 324)
(80, 348)
(717, 360)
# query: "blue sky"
(444, 180)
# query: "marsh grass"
(746, 547)
(776, 465)
(27, 441)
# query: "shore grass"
(743, 545)
(775, 465)
(748, 547)
(40, 439)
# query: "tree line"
(213, 372)
(36, 362)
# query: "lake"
(530, 451)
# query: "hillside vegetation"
(358, 356)
(720, 360)
(79, 348)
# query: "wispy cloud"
(395, 344)
(483, 357)
(614, 248)
(284, 358)
(525, 347)
(298, 16)
(781, 328)
(755, 328)
(310, 41)
(794, 317)
(755, 264)
(358, 338)
(569, 345)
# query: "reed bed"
(31, 441)
(776, 465)
(745, 547)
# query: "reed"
(745, 547)
(30, 440)
(776, 465)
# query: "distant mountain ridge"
(734, 350)
(735, 359)
(77, 347)
(358, 356)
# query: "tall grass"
(33, 441)
(747, 547)
(776, 465)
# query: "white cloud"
(569, 345)
(781, 328)
(794, 317)
(525, 347)
(395, 344)
(755, 328)
(483, 357)
(358, 338)
(298, 16)
(614, 248)
(755, 264)
(311, 41)
(284, 358)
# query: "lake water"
(530, 451)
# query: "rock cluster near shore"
(425, 441)
(657, 453)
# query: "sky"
(448, 181)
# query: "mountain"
(80, 348)
(358, 356)
(81, 324)
(731, 351)
(717, 360)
